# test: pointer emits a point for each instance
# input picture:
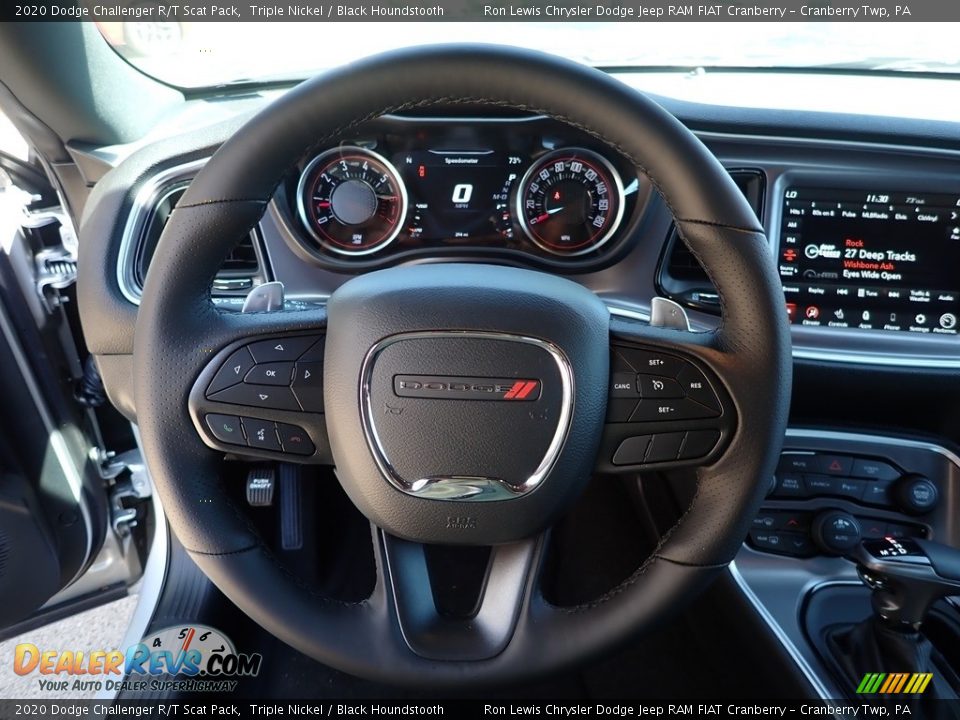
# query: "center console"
(832, 491)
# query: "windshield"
(208, 53)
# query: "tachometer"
(352, 200)
(570, 201)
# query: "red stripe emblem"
(520, 390)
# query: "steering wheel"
(408, 352)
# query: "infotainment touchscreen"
(871, 260)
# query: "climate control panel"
(825, 502)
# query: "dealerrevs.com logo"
(183, 658)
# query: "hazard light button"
(835, 464)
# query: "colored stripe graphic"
(517, 387)
(894, 683)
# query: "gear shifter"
(907, 575)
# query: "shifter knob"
(907, 575)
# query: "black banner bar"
(482, 11)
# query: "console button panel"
(817, 482)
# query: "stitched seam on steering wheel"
(202, 203)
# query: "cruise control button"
(308, 385)
(696, 387)
(280, 349)
(874, 470)
(620, 409)
(632, 451)
(270, 374)
(665, 447)
(798, 463)
(623, 385)
(698, 444)
(295, 439)
(835, 464)
(652, 386)
(261, 434)
(655, 409)
(226, 428)
(260, 396)
(652, 363)
(232, 371)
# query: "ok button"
(277, 373)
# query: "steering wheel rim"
(179, 330)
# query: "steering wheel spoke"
(261, 395)
(667, 404)
(456, 603)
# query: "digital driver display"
(871, 260)
(458, 195)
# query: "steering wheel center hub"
(463, 402)
(466, 415)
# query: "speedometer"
(570, 201)
(352, 200)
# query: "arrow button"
(280, 350)
(308, 385)
(258, 396)
(232, 371)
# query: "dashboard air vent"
(241, 271)
(680, 276)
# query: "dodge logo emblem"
(466, 388)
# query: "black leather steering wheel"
(454, 470)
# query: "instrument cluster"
(403, 187)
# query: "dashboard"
(866, 237)
(527, 190)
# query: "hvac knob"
(915, 494)
(836, 532)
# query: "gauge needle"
(546, 215)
